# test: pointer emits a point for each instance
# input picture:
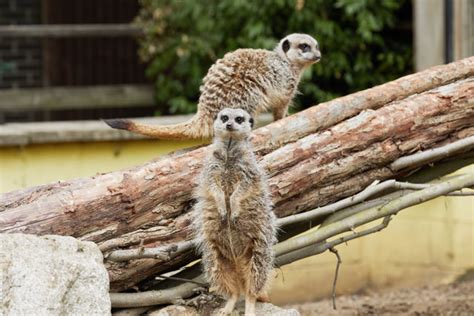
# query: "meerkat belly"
(232, 242)
(232, 235)
(229, 182)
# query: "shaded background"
(363, 42)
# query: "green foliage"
(6, 67)
(363, 42)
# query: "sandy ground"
(453, 299)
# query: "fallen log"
(315, 157)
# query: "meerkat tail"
(198, 127)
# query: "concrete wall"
(432, 242)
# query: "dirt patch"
(453, 299)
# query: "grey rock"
(51, 275)
(261, 309)
(175, 310)
(265, 309)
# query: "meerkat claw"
(222, 312)
(222, 213)
(234, 217)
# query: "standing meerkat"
(234, 223)
(255, 80)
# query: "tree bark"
(315, 157)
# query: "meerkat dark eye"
(305, 47)
(224, 118)
(251, 121)
(239, 119)
(285, 46)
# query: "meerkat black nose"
(228, 127)
(317, 56)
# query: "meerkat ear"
(285, 45)
(251, 122)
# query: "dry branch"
(427, 156)
(373, 189)
(163, 253)
(336, 274)
(391, 208)
(149, 298)
(328, 162)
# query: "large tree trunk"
(317, 156)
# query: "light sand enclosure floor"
(453, 299)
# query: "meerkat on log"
(234, 223)
(255, 80)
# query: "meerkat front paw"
(222, 213)
(223, 312)
(234, 209)
(234, 216)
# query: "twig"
(363, 206)
(323, 246)
(163, 253)
(369, 191)
(341, 240)
(148, 298)
(461, 193)
(131, 311)
(421, 186)
(363, 233)
(182, 280)
(339, 261)
(430, 155)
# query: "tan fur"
(234, 222)
(254, 80)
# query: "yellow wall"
(22, 167)
(432, 242)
